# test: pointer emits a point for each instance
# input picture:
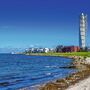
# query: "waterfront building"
(82, 31)
(46, 50)
(71, 49)
(59, 48)
(40, 50)
(52, 50)
(37, 50)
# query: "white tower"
(82, 31)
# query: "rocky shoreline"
(63, 84)
(79, 62)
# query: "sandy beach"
(82, 85)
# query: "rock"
(3, 84)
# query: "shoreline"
(65, 83)
(38, 86)
(73, 79)
(83, 85)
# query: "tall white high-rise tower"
(82, 31)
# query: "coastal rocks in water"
(3, 84)
(71, 66)
(54, 86)
(62, 84)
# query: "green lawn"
(64, 54)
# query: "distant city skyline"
(47, 23)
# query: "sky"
(46, 23)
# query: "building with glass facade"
(82, 31)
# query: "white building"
(46, 50)
(82, 31)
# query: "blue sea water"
(17, 71)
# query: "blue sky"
(46, 23)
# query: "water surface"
(17, 71)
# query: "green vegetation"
(85, 54)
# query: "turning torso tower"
(82, 31)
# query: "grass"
(85, 54)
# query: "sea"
(18, 71)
